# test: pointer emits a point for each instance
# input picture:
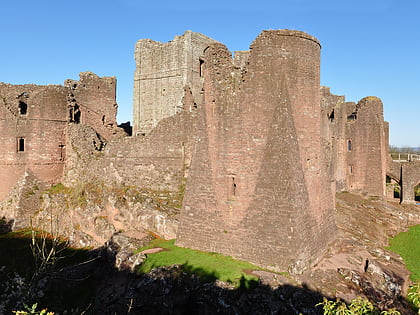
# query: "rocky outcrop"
(124, 249)
(91, 214)
(358, 263)
(18, 206)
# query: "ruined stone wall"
(93, 100)
(358, 142)
(158, 161)
(240, 59)
(34, 121)
(162, 72)
(32, 132)
(258, 186)
(366, 148)
(410, 172)
(331, 132)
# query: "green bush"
(32, 310)
(414, 296)
(358, 306)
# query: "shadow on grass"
(90, 284)
(204, 275)
(19, 284)
(5, 225)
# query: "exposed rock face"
(124, 248)
(90, 214)
(357, 263)
(22, 201)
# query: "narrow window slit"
(21, 145)
(201, 67)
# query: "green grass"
(407, 244)
(208, 266)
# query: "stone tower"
(358, 139)
(258, 187)
(164, 73)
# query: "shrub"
(414, 296)
(32, 310)
(358, 306)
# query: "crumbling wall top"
(147, 42)
(87, 76)
(240, 58)
(292, 33)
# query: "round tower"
(294, 57)
(291, 61)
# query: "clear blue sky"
(369, 47)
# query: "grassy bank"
(407, 244)
(209, 266)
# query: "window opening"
(366, 265)
(352, 116)
(233, 187)
(75, 114)
(351, 169)
(21, 145)
(201, 67)
(23, 108)
(349, 145)
(61, 146)
(331, 116)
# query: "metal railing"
(405, 157)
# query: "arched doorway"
(393, 187)
(417, 193)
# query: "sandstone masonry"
(34, 121)
(251, 145)
(357, 143)
(258, 187)
(163, 72)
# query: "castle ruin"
(272, 146)
(260, 147)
